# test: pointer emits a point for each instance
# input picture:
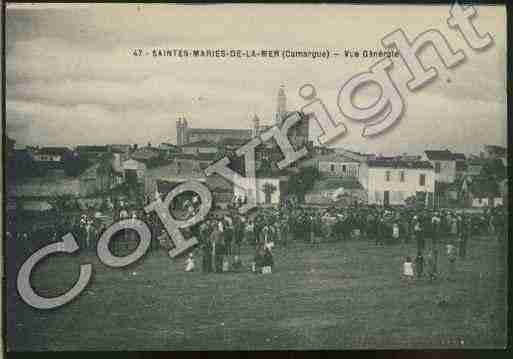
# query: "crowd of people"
(222, 233)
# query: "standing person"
(88, 234)
(369, 226)
(431, 265)
(419, 265)
(123, 214)
(498, 224)
(189, 263)
(436, 229)
(454, 228)
(250, 232)
(257, 228)
(381, 231)
(311, 228)
(218, 249)
(451, 257)
(206, 249)
(284, 229)
(405, 227)
(464, 233)
(418, 235)
(395, 232)
(228, 235)
(258, 261)
(238, 233)
(408, 270)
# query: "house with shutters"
(392, 182)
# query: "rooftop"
(435, 155)
(92, 148)
(54, 151)
(233, 131)
(335, 157)
(459, 156)
(400, 164)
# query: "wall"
(399, 191)
(352, 168)
(447, 171)
(484, 202)
(195, 150)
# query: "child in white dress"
(189, 263)
(395, 231)
(408, 269)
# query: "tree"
(74, 164)
(303, 181)
(494, 169)
(268, 190)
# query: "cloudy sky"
(71, 78)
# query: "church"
(297, 134)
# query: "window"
(344, 168)
(387, 176)
(437, 167)
(401, 176)
(422, 180)
(332, 168)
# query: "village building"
(461, 164)
(393, 182)
(444, 164)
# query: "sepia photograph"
(243, 177)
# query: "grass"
(343, 295)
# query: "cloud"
(44, 124)
(72, 79)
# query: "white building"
(444, 164)
(392, 182)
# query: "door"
(386, 198)
(267, 197)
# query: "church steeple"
(281, 108)
(256, 126)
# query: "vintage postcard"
(255, 177)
